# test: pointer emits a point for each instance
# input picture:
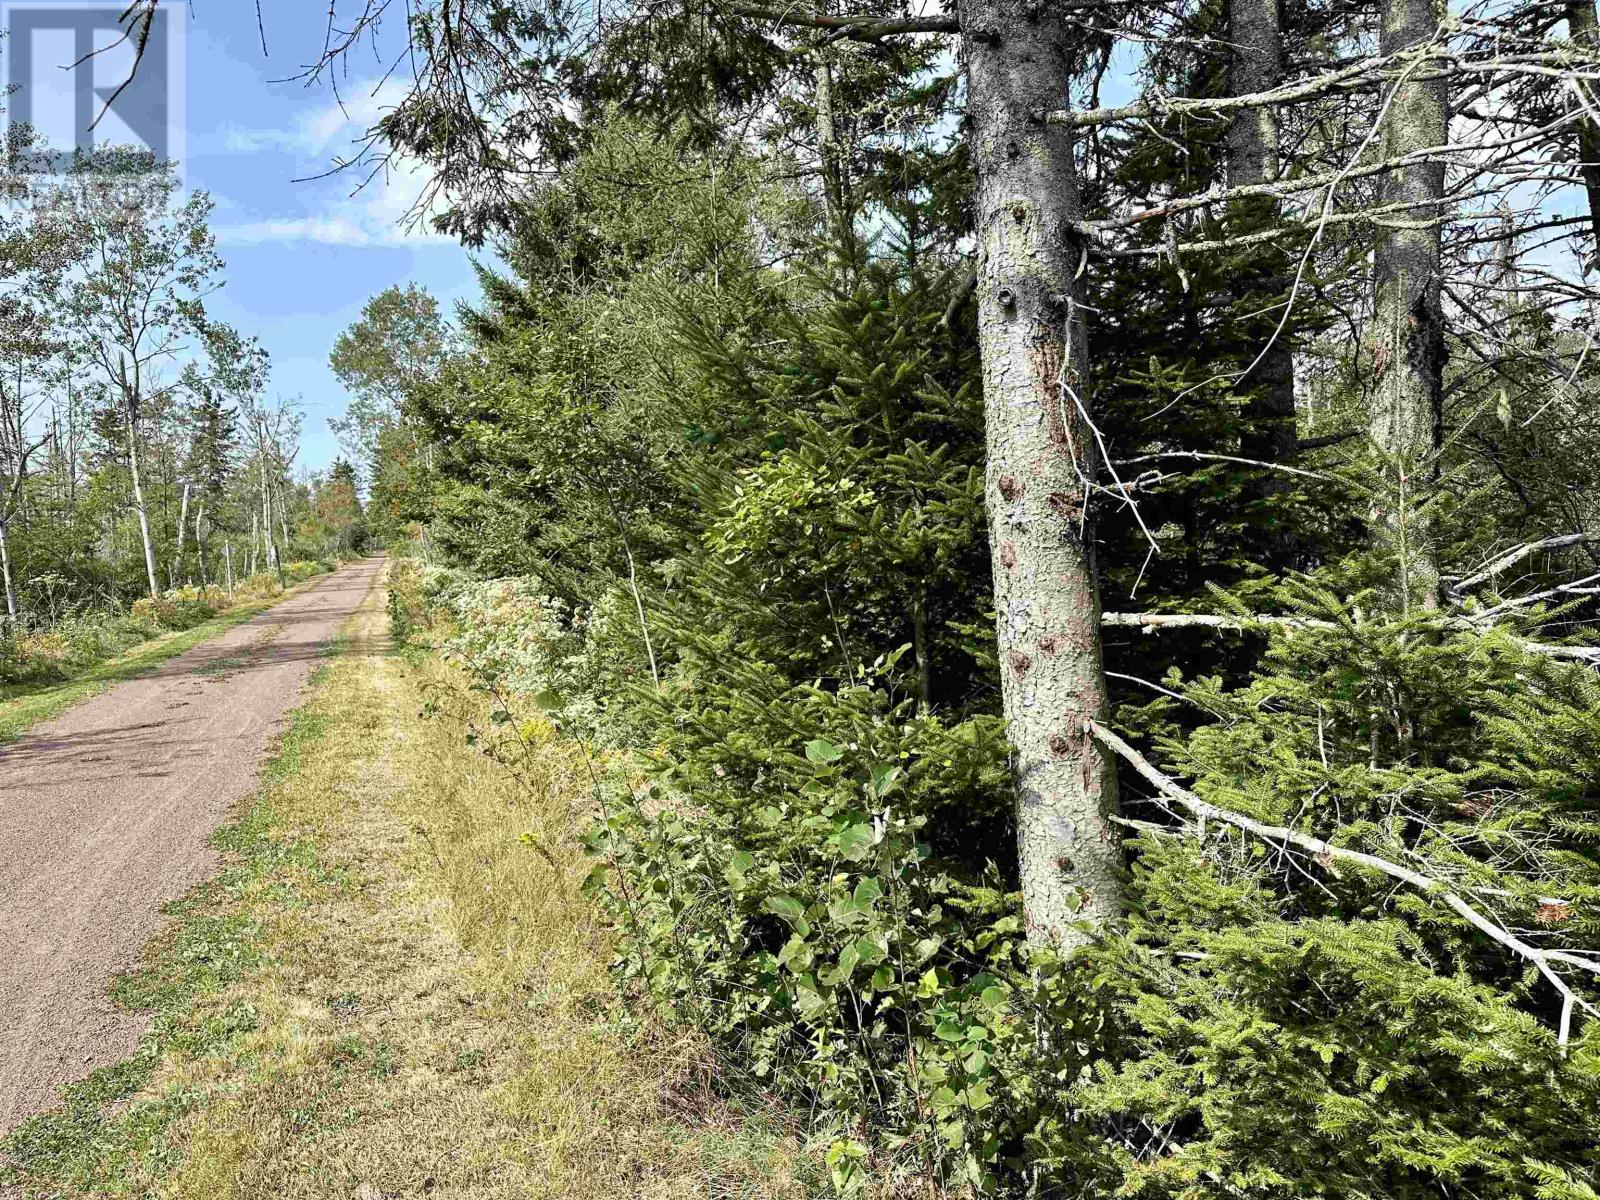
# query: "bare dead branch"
(1324, 852)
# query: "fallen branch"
(1564, 589)
(1153, 622)
(969, 284)
(1342, 79)
(863, 27)
(1587, 654)
(1305, 445)
(1324, 852)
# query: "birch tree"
(139, 302)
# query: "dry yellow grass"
(431, 1013)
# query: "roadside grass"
(25, 704)
(390, 991)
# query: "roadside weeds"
(386, 993)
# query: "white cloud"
(331, 231)
(377, 212)
(338, 125)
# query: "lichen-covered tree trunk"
(1406, 341)
(1583, 28)
(1256, 64)
(1041, 461)
(829, 155)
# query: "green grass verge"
(94, 1144)
(24, 705)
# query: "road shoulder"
(387, 993)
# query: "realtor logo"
(87, 75)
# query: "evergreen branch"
(1324, 852)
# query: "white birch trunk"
(5, 570)
(183, 525)
(139, 507)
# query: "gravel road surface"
(105, 813)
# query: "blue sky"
(303, 257)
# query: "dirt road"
(105, 814)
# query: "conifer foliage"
(790, 461)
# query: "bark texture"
(1041, 455)
(1406, 342)
(1256, 64)
(1583, 28)
(834, 192)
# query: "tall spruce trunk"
(835, 190)
(1017, 59)
(1406, 342)
(1256, 64)
(1584, 30)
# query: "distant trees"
(386, 361)
(122, 450)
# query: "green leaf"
(883, 778)
(787, 907)
(819, 751)
(855, 842)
